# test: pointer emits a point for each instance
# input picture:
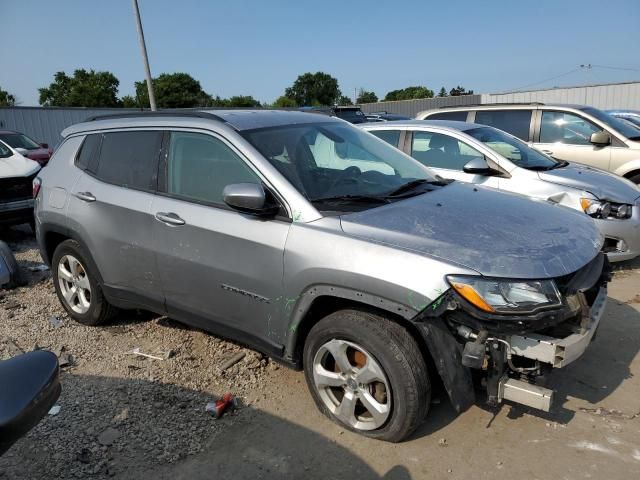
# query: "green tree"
(409, 93)
(285, 102)
(344, 100)
(6, 99)
(458, 91)
(174, 90)
(242, 101)
(314, 89)
(129, 102)
(442, 92)
(83, 89)
(366, 97)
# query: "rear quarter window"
(392, 137)
(87, 155)
(457, 116)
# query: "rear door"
(110, 209)
(566, 135)
(221, 270)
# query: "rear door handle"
(85, 196)
(169, 218)
(548, 152)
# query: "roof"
(237, 119)
(451, 124)
(4, 132)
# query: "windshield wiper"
(416, 183)
(351, 198)
(560, 164)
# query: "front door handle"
(85, 196)
(169, 218)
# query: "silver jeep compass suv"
(326, 248)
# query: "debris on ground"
(55, 321)
(604, 412)
(11, 305)
(165, 356)
(55, 410)
(218, 407)
(38, 268)
(443, 442)
(232, 361)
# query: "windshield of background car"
(325, 160)
(617, 124)
(512, 148)
(353, 116)
(18, 140)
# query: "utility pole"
(145, 58)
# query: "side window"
(87, 156)
(441, 151)
(4, 151)
(392, 137)
(515, 122)
(200, 166)
(458, 116)
(130, 159)
(566, 128)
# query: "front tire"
(77, 286)
(367, 373)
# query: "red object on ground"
(223, 404)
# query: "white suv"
(573, 133)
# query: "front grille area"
(16, 188)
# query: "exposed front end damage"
(509, 356)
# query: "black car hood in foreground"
(494, 233)
(604, 185)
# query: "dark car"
(40, 152)
(385, 117)
(350, 113)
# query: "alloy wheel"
(74, 284)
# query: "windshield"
(617, 124)
(18, 140)
(512, 148)
(325, 160)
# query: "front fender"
(628, 167)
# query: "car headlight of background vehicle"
(506, 296)
(602, 209)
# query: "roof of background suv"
(454, 124)
(237, 119)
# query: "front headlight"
(506, 296)
(602, 209)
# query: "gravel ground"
(117, 409)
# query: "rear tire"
(76, 283)
(382, 390)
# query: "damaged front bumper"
(510, 357)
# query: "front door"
(565, 136)
(221, 270)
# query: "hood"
(17, 166)
(494, 233)
(604, 185)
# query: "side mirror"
(480, 166)
(30, 387)
(600, 139)
(249, 198)
(44, 145)
(22, 151)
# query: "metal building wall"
(410, 108)
(44, 124)
(608, 96)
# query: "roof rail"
(174, 113)
(491, 104)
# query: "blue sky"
(252, 47)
